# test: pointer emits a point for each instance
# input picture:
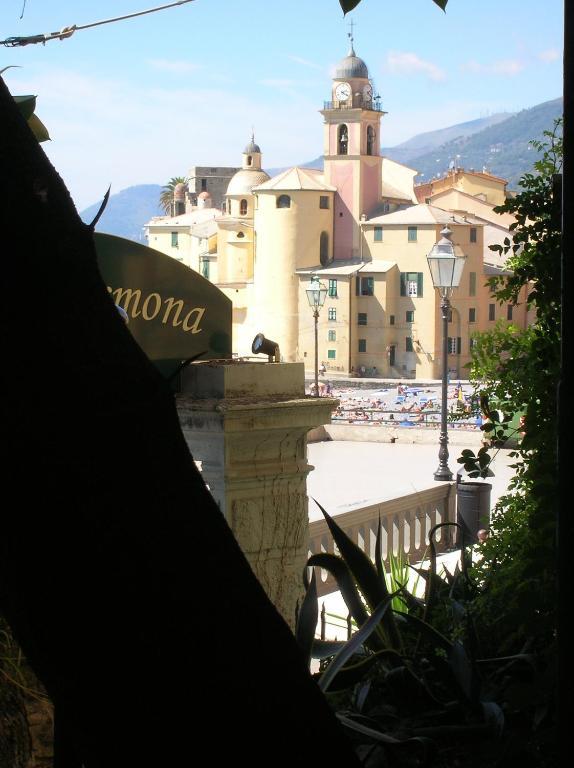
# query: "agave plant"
(410, 683)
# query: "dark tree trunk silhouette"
(118, 574)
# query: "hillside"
(127, 211)
(503, 149)
(429, 141)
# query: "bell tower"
(352, 157)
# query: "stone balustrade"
(405, 521)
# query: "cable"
(65, 32)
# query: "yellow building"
(358, 227)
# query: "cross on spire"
(351, 37)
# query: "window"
(204, 185)
(331, 354)
(454, 345)
(324, 202)
(283, 201)
(174, 240)
(362, 318)
(332, 288)
(370, 140)
(205, 268)
(411, 284)
(412, 234)
(365, 286)
(472, 342)
(410, 318)
(472, 315)
(391, 319)
(491, 315)
(472, 284)
(378, 234)
(362, 345)
(509, 312)
(473, 234)
(324, 249)
(408, 344)
(332, 336)
(249, 159)
(342, 140)
(240, 234)
(332, 313)
(243, 208)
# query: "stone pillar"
(247, 424)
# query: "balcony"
(356, 102)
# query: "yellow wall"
(287, 239)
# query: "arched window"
(283, 201)
(342, 140)
(240, 234)
(249, 158)
(324, 249)
(243, 208)
(370, 140)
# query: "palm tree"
(166, 196)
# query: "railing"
(405, 522)
(356, 102)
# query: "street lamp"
(446, 263)
(316, 294)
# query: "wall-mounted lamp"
(263, 346)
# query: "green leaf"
(352, 645)
(323, 649)
(436, 639)
(26, 105)
(342, 575)
(307, 620)
(373, 589)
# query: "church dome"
(244, 180)
(351, 66)
(251, 147)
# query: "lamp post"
(316, 294)
(446, 267)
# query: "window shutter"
(419, 285)
(403, 283)
(357, 286)
(458, 345)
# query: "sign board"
(174, 313)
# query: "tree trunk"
(118, 574)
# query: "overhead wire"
(65, 32)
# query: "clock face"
(343, 91)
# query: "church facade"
(359, 226)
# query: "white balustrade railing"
(405, 526)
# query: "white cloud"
(403, 62)
(306, 63)
(549, 55)
(176, 67)
(507, 67)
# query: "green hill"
(503, 149)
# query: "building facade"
(363, 228)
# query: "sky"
(143, 100)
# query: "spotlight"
(263, 346)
